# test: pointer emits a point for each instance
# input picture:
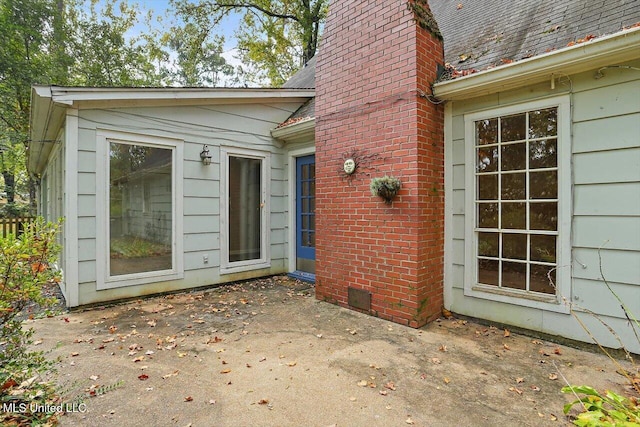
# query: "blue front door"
(306, 214)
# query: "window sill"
(516, 297)
(139, 279)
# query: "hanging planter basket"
(386, 187)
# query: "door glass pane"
(245, 211)
(140, 209)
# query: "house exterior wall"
(374, 64)
(605, 214)
(242, 126)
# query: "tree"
(276, 37)
(29, 53)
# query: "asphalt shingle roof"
(479, 34)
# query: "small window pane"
(513, 128)
(514, 275)
(514, 215)
(544, 216)
(488, 244)
(487, 132)
(305, 171)
(539, 280)
(514, 246)
(514, 157)
(488, 272)
(514, 186)
(305, 222)
(543, 154)
(487, 159)
(488, 215)
(544, 185)
(488, 187)
(543, 123)
(543, 248)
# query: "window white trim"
(563, 245)
(292, 156)
(227, 267)
(104, 279)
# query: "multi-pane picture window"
(516, 178)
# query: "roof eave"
(46, 120)
(301, 131)
(618, 47)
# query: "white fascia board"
(72, 95)
(295, 132)
(609, 50)
(45, 122)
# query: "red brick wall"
(373, 65)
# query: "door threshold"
(303, 275)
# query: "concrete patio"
(267, 353)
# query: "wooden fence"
(14, 225)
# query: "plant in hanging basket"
(386, 187)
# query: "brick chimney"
(376, 63)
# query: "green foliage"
(25, 265)
(609, 409)
(275, 38)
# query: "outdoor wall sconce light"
(205, 156)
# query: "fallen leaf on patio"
(149, 352)
(225, 371)
(37, 342)
(152, 323)
(113, 329)
(446, 380)
(74, 354)
(292, 363)
(506, 347)
(353, 399)
(362, 383)
(198, 321)
(535, 388)
(442, 348)
(174, 373)
(507, 333)
(188, 399)
(353, 332)
(408, 421)
(93, 377)
(263, 402)
(459, 6)
(138, 359)
(212, 401)
(214, 340)
(553, 417)
(108, 340)
(435, 361)
(557, 351)
(553, 376)
(515, 390)
(536, 342)
(384, 392)
(319, 335)
(262, 359)
(519, 380)
(143, 377)
(390, 386)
